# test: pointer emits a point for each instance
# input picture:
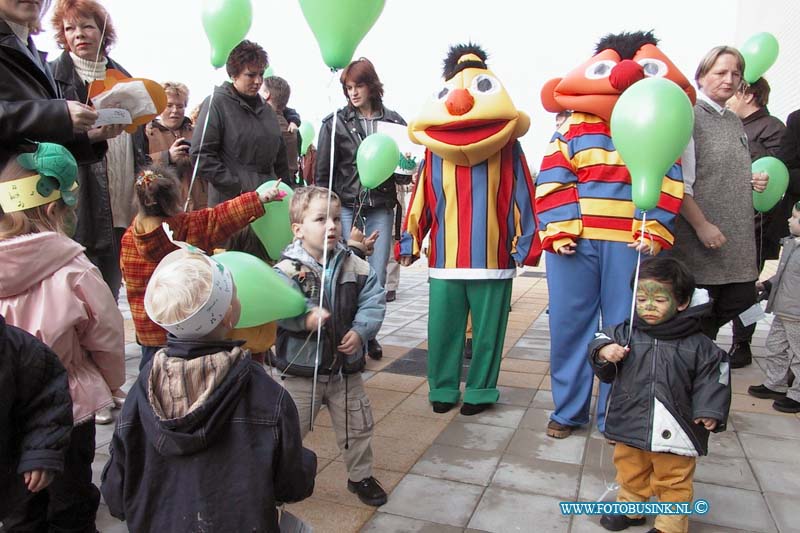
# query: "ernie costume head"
(620, 60)
(471, 116)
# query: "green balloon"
(306, 136)
(340, 25)
(650, 127)
(264, 295)
(776, 186)
(274, 229)
(226, 23)
(269, 71)
(760, 52)
(376, 159)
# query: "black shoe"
(786, 405)
(391, 296)
(740, 355)
(468, 349)
(618, 522)
(369, 491)
(761, 391)
(374, 349)
(469, 409)
(442, 407)
(653, 530)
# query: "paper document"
(129, 95)
(112, 116)
(752, 315)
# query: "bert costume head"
(471, 116)
(620, 61)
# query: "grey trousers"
(783, 343)
(350, 412)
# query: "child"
(276, 92)
(783, 340)
(49, 288)
(670, 387)
(206, 440)
(355, 317)
(35, 416)
(145, 243)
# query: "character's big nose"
(626, 73)
(459, 102)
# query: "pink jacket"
(49, 288)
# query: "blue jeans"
(371, 219)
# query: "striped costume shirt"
(480, 218)
(584, 190)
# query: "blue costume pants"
(595, 282)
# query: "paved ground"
(497, 471)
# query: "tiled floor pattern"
(497, 471)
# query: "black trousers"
(69, 504)
(742, 333)
(108, 264)
(730, 300)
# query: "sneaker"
(468, 349)
(369, 491)
(104, 417)
(374, 349)
(786, 405)
(740, 355)
(391, 296)
(442, 407)
(559, 431)
(469, 409)
(761, 391)
(618, 522)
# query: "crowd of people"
(89, 210)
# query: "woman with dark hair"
(243, 145)
(714, 232)
(32, 108)
(106, 176)
(368, 210)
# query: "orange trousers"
(666, 476)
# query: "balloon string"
(199, 153)
(97, 57)
(636, 278)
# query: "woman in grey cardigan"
(714, 234)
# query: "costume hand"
(292, 127)
(36, 480)
(314, 316)
(567, 249)
(351, 343)
(613, 353)
(406, 260)
(82, 116)
(709, 423)
(711, 236)
(178, 150)
(759, 181)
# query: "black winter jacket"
(243, 146)
(221, 467)
(789, 153)
(672, 375)
(32, 107)
(349, 135)
(95, 222)
(35, 412)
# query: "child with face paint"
(783, 341)
(670, 388)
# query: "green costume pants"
(450, 302)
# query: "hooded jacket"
(354, 297)
(350, 133)
(784, 286)
(206, 442)
(672, 375)
(35, 412)
(243, 146)
(49, 288)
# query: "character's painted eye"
(600, 70)
(442, 93)
(653, 68)
(485, 84)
